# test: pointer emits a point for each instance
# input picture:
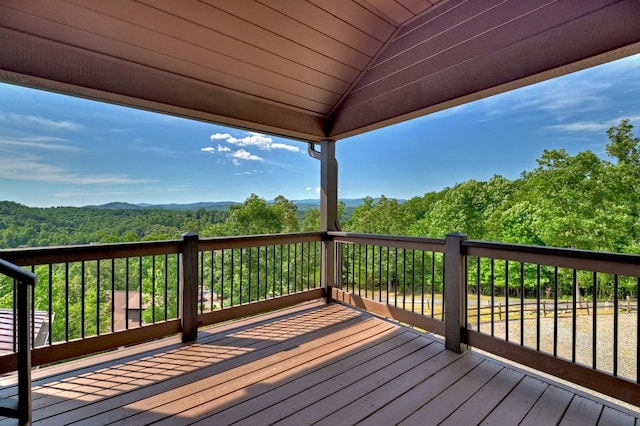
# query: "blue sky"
(62, 151)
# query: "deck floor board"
(312, 364)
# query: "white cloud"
(208, 149)
(38, 142)
(285, 147)
(222, 148)
(257, 140)
(31, 169)
(242, 154)
(590, 126)
(46, 123)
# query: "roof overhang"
(313, 69)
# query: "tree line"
(574, 201)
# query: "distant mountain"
(302, 205)
(116, 206)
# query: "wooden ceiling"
(308, 69)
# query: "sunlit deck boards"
(325, 364)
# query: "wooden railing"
(103, 296)
(528, 304)
(570, 313)
(23, 283)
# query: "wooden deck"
(316, 363)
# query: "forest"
(575, 201)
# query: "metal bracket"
(313, 152)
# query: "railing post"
(328, 213)
(189, 286)
(454, 292)
(24, 353)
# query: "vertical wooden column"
(454, 292)
(24, 352)
(328, 212)
(189, 286)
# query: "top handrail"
(17, 273)
(403, 242)
(587, 260)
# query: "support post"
(328, 213)
(454, 292)
(24, 353)
(189, 286)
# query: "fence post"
(189, 286)
(454, 292)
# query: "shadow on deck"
(312, 364)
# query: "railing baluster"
(522, 291)
(615, 324)
(66, 301)
(594, 332)
(555, 312)
(538, 295)
(506, 299)
(574, 319)
(493, 303)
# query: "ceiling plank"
(194, 23)
(579, 43)
(395, 11)
(64, 27)
(415, 6)
(237, 28)
(329, 24)
(278, 23)
(359, 17)
(32, 61)
(482, 34)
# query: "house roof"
(308, 69)
(8, 328)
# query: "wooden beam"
(607, 384)
(35, 62)
(262, 306)
(388, 311)
(444, 81)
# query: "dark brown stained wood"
(254, 308)
(271, 20)
(442, 51)
(476, 408)
(613, 263)
(317, 361)
(62, 351)
(370, 402)
(332, 26)
(372, 354)
(612, 417)
(195, 397)
(432, 85)
(388, 311)
(359, 17)
(517, 404)
(416, 6)
(261, 46)
(308, 69)
(433, 358)
(395, 11)
(181, 366)
(582, 411)
(404, 404)
(549, 408)
(133, 42)
(442, 398)
(616, 387)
